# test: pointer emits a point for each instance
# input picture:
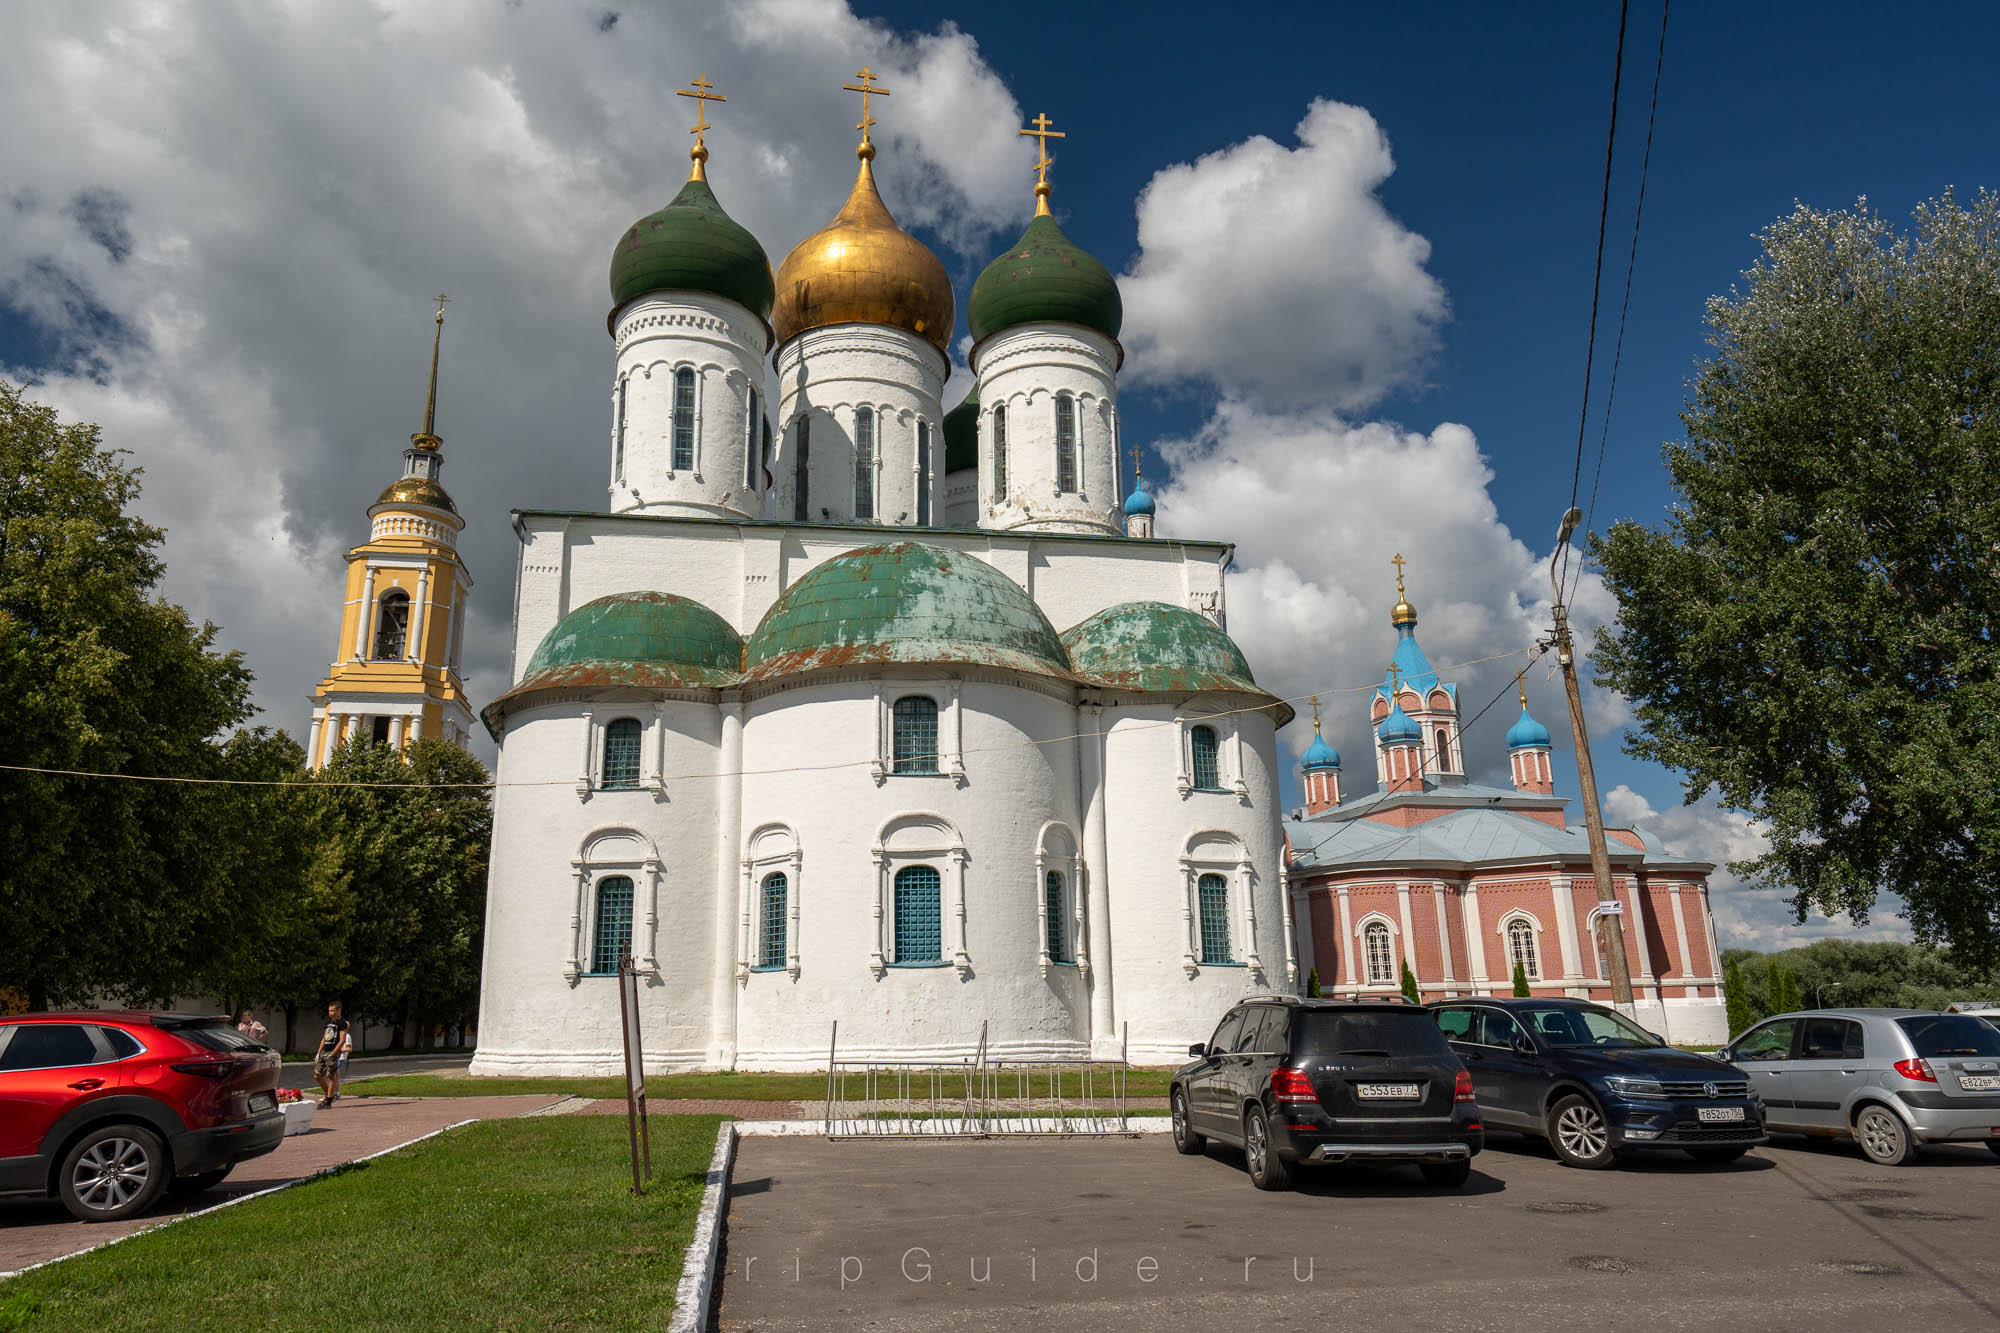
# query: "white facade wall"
(723, 344)
(832, 372)
(1025, 370)
(961, 499)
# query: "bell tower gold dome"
(861, 268)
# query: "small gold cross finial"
(1138, 456)
(1399, 562)
(867, 88)
(1315, 700)
(702, 91)
(1395, 683)
(1041, 134)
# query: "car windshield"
(1569, 1028)
(1368, 1031)
(1950, 1034)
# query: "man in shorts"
(330, 1060)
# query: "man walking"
(330, 1060)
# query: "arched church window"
(800, 467)
(1054, 897)
(1443, 748)
(765, 451)
(1521, 949)
(923, 474)
(1065, 442)
(1379, 954)
(392, 625)
(864, 462)
(621, 754)
(378, 730)
(919, 915)
(613, 937)
(772, 919)
(1212, 891)
(1203, 754)
(750, 421)
(914, 734)
(1000, 453)
(684, 419)
(618, 437)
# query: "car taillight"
(1918, 1069)
(1461, 1089)
(1289, 1085)
(207, 1068)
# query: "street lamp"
(1823, 986)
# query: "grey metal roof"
(1475, 833)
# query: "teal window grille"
(1000, 453)
(614, 923)
(750, 420)
(864, 463)
(1052, 892)
(923, 474)
(1203, 751)
(1213, 891)
(800, 512)
(684, 419)
(914, 732)
(621, 755)
(1065, 442)
(771, 939)
(919, 915)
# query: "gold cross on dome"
(1138, 457)
(1315, 700)
(1395, 682)
(1399, 562)
(1041, 134)
(701, 90)
(867, 88)
(441, 299)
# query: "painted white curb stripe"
(697, 1285)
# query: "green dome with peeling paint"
(961, 435)
(905, 602)
(691, 245)
(1045, 278)
(1159, 648)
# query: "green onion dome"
(961, 435)
(691, 245)
(904, 602)
(1161, 649)
(1045, 279)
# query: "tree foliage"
(1736, 999)
(1841, 973)
(1312, 983)
(1521, 979)
(1810, 635)
(1410, 984)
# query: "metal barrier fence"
(974, 1096)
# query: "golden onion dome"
(861, 268)
(417, 491)
(1402, 613)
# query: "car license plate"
(1385, 1091)
(1979, 1082)
(260, 1101)
(1721, 1114)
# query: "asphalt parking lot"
(1123, 1234)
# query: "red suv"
(106, 1110)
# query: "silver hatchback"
(1892, 1079)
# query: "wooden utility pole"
(1611, 921)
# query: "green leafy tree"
(1521, 979)
(1810, 634)
(1410, 983)
(1312, 984)
(1736, 1000)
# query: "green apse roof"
(961, 434)
(1159, 648)
(1044, 279)
(904, 602)
(691, 245)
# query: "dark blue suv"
(1596, 1085)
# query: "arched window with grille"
(684, 419)
(618, 437)
(919, 915)
(1054, 900)
(613, 938)
(801, 470)
(621, 754)
(1522, 951)
(1065, 442)
(392, 625)
(1379, 954)
(751, 420)
(914, 734)
(923, 474)
(864, 462)
(1212, 894)
(1204, 757)
(1000, 452)
(773, 916)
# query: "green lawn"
(661, 1087)
(509, 1224)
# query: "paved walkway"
(369, 1066)
(351, 1128)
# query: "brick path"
(33, 1232)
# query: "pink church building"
(1461, 881)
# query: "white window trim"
(946, 692)
(1071, 869)
(951, 893)
(1239, 877)
(652, 750)
(791, 863)
(1228, 756)
(586, 871)
(1374, 918)
(1503, 929)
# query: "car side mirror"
(1657, 1038)
(1198, 1050)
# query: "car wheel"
(200, 1184)
(1883, 1136)
(1579, 1135)
(1451, 1174)
(1716, 1155)
(1267, 1171)
(1994, 1146)
(1186, 1142)
(113, 1173)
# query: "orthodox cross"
(1395, 679)
(701, 91)
(1041, 134)
(1315, 700)
(1399, 562)
(1138, 453)
(867, 89)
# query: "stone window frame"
(1228, 755)
(1240, 879)
(771, 847)
(948, 847)
(1504, 928)
(652, 750)
(1369, 921)
(587, 868)
(947, 692)
(1051, 859)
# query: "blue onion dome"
(1138, 502)
(1527, 732)
(1320, 755)
(1399, 728)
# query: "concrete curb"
(241, 1198)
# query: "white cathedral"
(846, 708)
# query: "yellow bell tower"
(394, 677)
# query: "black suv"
(1596, 1085)
(1329, 1081)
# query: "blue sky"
(225, 223)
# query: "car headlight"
(1635, 1087)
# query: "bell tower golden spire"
(1041, 134)
(428, 438)
(702, 91)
